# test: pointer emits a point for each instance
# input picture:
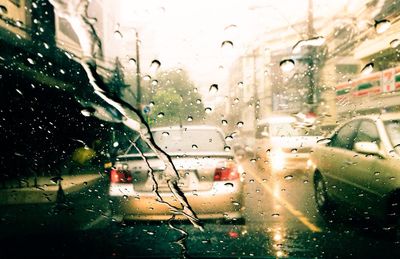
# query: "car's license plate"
(184, 180)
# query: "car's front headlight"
(277, 159)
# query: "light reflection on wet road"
(281, 221)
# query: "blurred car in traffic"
(359, 167)
(209, 176)
(283, 145)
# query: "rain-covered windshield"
(139, 129)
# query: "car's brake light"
(118, 176)
(226, 173)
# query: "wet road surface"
(281, 220)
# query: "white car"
(210, 177)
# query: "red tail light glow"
(226, 173)
(118, 176)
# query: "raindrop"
(224, 122)
(368, 68)
(395, 43)
(85, 183)
(228, 138)
(165, 133)
(115, 144)
(382, 26)
(240, 124)
(30, 61)
(275, 215)
(288, 177)
(229, 184)
(147, 78)
(150, 233)
(253, 160)
(235, 203)
(240, 84)
(189, 118)
(198, 101)
(227, 148)
(305, 181)
(251, 181)
(287, 65)
(154, 82)
(392, 178)
(19, 23)
(125, 197)
(294, 150)
(3, 9)
(377, 173)
(160, 115)
(213, 89)
(86, 113)
(151, 104)
(19, 91)
(227, 44)
(118, 35)
(236, 100)
(155, 64)
(132, 61)
(62, 71)
(194, 146)
(264, 180)
(208, 110)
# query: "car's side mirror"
(369, 148)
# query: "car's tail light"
(226, 172)
(120, 176)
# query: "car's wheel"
(321, 194)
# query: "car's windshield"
(198, 128)
(393, 131)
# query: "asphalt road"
(281, 221)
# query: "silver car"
(359, 167)
(210, 178)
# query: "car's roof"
(382, 116)
(187, 127)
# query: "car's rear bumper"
(222, 201)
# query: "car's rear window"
(193, 140)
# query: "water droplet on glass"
(118, 35)
(160, 115)
(305, 181)
(189, 118)
(253, 160)
(147, 78)
(125, 197)
(213, 89)
(229, 184)
(240, 84)
(227, 148)
(154, 82)
(224, 122)
(235, 203)
(155, 64)
(251, 181)
(240, 124)
(165, 133)
(287, 65)
(288, 177)
(208, 110)
(382, 26)
(236, 100)
(368, 68)
(86, 113)
(115, 144)
(198, 101)
(395, 43)
(392, 178)
(377, 173)
(275, 215)
(150, 233)
(30, 61)
(19, 91)
(294, 150)
(194, 146)
(3, 9)
(132, 62)
(227, 44)
(228, 138)
(85, 183)
(151, 104)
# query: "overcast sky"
(188, 34)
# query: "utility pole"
(138, 77)
(256, 101)
(311, 97)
